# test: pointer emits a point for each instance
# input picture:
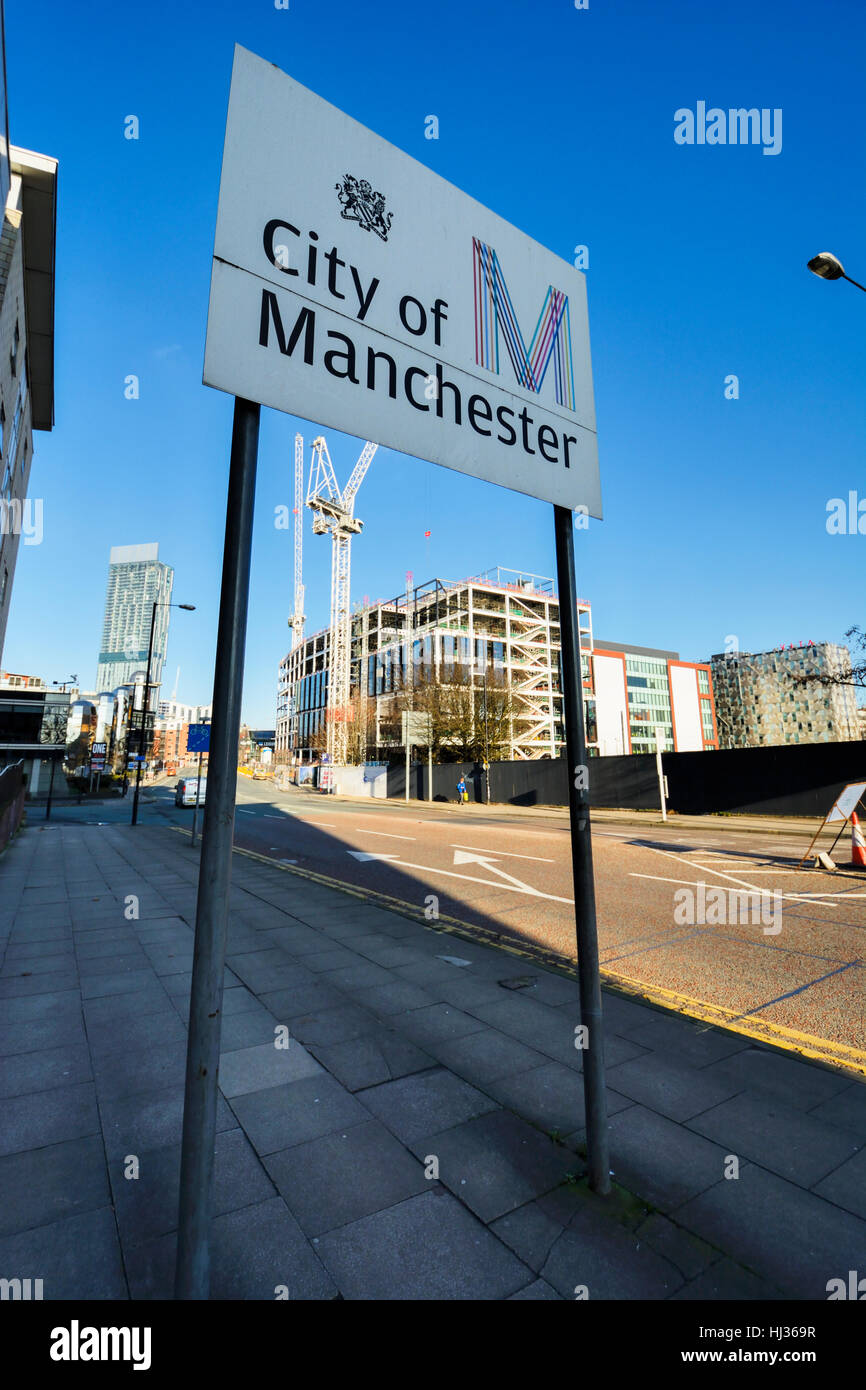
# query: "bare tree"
(854, 674)
(360, 718)
(457, 707)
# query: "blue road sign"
(198, 738)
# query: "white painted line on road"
(491, 883)
(691, 883)
(380, 834)
(242, 812)
(657, 878)
(501, 854)
(836, 893)
(741, 883)
(756, 868)
(268, 816)
(364, 858)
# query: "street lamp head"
(190, 607)
(828, 266)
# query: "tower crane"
(334, 512)
(297, 620)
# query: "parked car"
(185, 791)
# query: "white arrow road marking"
(363, 858)
(501, 854)
(485, 860)
(512, 886)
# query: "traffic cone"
(858, 844)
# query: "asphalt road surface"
(719, 924)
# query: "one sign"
(846, 801)
(355, 288)
(841, 810)
(97, 749)
(417, 727)
(198, 738)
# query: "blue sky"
(561, 121)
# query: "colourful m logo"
(494, 312)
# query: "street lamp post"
(190, 608)
(829, 267)
(72, 680)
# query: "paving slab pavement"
(393, 1122)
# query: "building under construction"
(499, 629)
(468, 668)
(501, 626)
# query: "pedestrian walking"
(462, 793)
(125, 785)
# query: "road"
(791, 973)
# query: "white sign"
(355, 288)
(846, 802)
(417, 727)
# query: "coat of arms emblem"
(362, 204)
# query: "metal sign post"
(595, 1099)
(50, 788)
(192, 1279)
(197, 795)
(268, 326)
(142, 738)
(660, 738)
(198, 738)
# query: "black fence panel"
(543, 783)
(801, 779)
(628, 782)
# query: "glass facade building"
(136, 579)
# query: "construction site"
(472, 662)
(491, 638)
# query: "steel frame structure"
(334, 514)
